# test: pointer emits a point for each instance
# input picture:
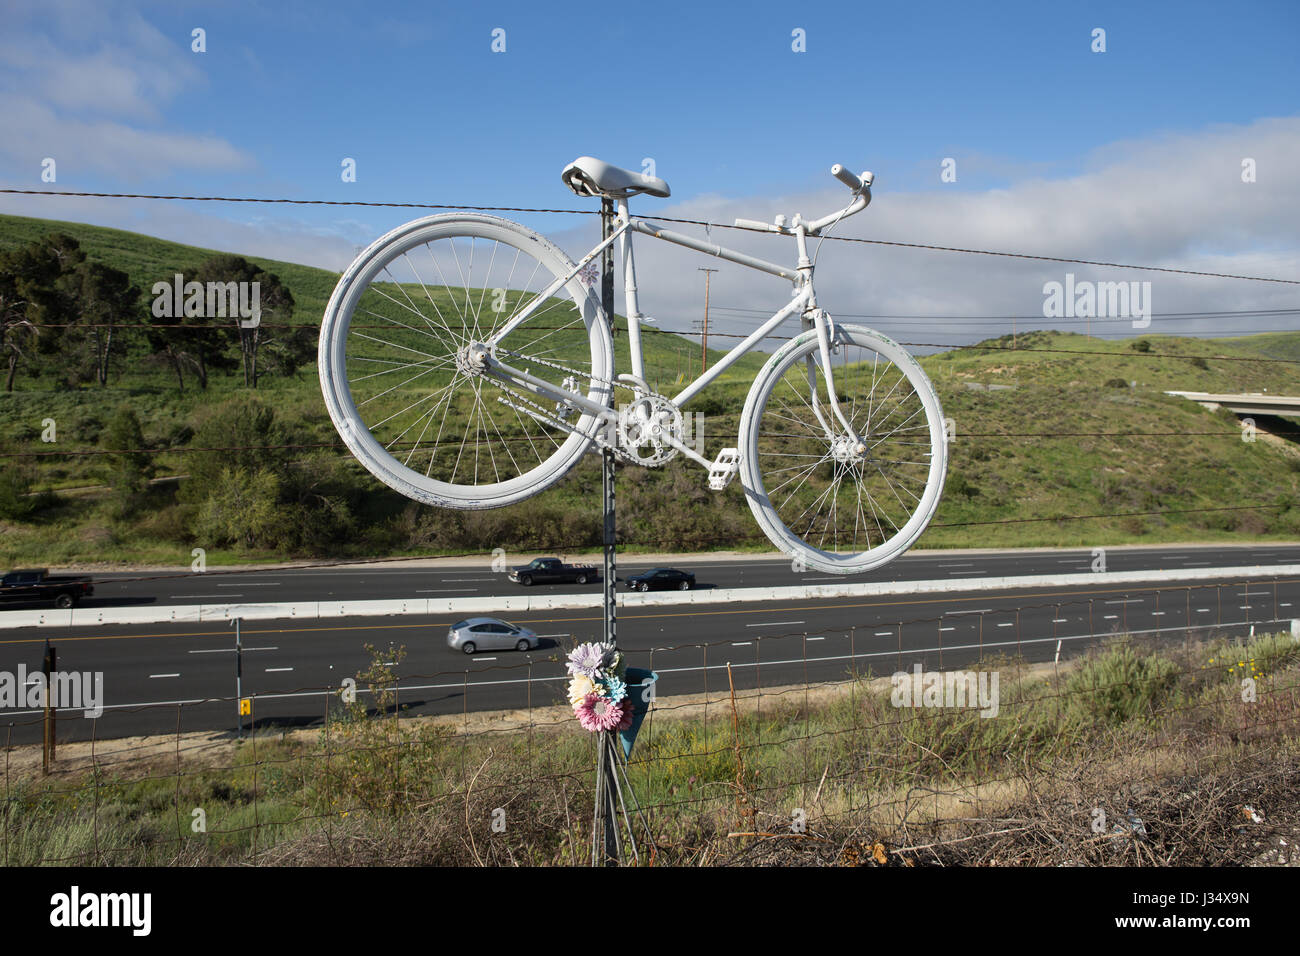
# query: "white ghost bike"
(467, 362)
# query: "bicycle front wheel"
(400, 377)
(832, 503)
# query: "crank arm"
(686, 450)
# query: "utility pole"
(704, 338)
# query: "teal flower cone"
(640, 691)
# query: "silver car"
(489, 634)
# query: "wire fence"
(1066, 730)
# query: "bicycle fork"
(854, 447)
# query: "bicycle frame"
(804, 302)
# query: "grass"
(370, 789)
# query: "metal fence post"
(605, 774)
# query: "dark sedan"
(660, 579)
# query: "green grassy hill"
(1062, 425)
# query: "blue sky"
(714, 94)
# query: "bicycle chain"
(598, 437)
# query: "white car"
(489, 634)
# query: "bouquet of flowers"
(598, 689)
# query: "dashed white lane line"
(446, 590)
(741, 643)
(1126, 601)
(1059, 620)
(222, 595)
(484, 659)
(230, 650)
(155, 676)
(774, 624)
(252, 584)
(1202, 610)
(953, 573)
(275, 670)
(816, 638)
(963, 564)
(884, 634)
(981, 610)
(1111, 617)
(947, 628)
(1007, 624)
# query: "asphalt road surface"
(159, 677)
(461, 579)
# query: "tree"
(130, 467)
(287, 349)
(105, 297)
(37, 310)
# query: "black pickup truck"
(553, 571)
(38, 586)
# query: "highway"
(461, 577)
(159, 677)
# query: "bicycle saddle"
(588, 176)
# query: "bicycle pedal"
(724, 469)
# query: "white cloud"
(1172, 201)
(93, 98)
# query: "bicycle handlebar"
(861, 186)
(847, 178)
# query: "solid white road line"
(153, 676)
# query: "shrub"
(242, 508)
(1120, 686)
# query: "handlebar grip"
(847, 178)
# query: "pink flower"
(596, 713)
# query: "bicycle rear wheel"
(400, 382)
(828, 502)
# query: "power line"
(692, 222)
(186, 449)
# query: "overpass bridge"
(1251, 403)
